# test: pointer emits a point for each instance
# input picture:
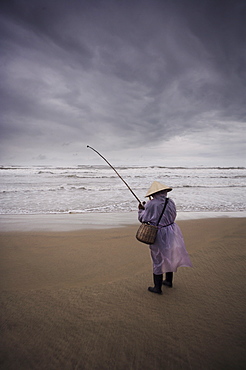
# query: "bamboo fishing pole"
(116, 173)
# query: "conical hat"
(157, 186)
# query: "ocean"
(97, 189)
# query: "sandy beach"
(78, 300)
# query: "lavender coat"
(168, 252)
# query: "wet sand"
(79, 300)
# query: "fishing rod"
(116, 173)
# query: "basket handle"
(162, 211)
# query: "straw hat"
(156, 187)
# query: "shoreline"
(75, 221)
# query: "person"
(168, 251)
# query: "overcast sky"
(155, 82)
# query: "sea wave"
(47, 189)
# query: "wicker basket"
(146, 233)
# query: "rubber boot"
(158, 284)
(169, 280)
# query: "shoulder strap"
(162, 211)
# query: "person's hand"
(141, 205)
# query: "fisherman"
(168, 251)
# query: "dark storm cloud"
(124, 72)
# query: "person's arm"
(141, 209)
(148, 213)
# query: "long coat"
(168, 252)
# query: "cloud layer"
(140, 80)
